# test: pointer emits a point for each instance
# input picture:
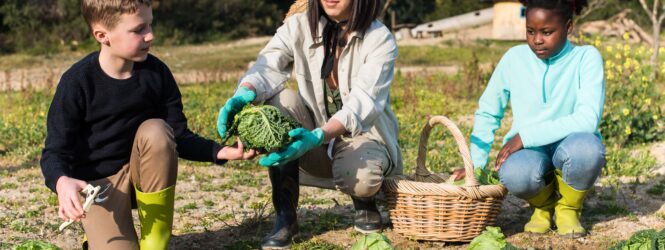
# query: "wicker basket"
(425, 207)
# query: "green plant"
(645, 239)
(36, 245)
(373, 241)
(628, 162)
(658, 188)
(633, 105)
(491, 238)
(262, 127)
(188, 206)
(316, 244)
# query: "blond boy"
(116, 121)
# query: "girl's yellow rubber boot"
(568, 209)
(543, 204)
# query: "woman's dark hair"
(564, 8)
(363, 13)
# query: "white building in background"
(506, 20)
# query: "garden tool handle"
(91, 193)
(421, 168)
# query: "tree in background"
(411, 11)
(448, 8)
(49, 26)
(656, 14)
(40, 26)
(193, 21)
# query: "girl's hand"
(511, 147)
(68, 198)
(236, 153)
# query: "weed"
(8, 186)
(208, 203)
(188, 206)
(315, 244)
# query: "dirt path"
(229, 208)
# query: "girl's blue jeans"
(580, 158)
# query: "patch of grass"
(52, 200)
(658, 188)
(244, 244)
(8, 186)
(4, 245)
(242, 178)
(188, 206)
(216, 57)
(606, 209)
(33, 213)
(315, 244)
(315, 201)
(452, 54)
(325, 221)
(627, 161)
(208, 203)
(209, 187)
(632, 217)
(22, 226)
(660, 215)
(4, 221)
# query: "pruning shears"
(91, 193)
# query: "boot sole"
(366, 231)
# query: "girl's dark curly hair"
(564, 8)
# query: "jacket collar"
(322, 24)
(564, 51)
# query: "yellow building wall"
(507, 23)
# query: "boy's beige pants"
(152, 167)
(358, 163)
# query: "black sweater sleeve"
(190, 146)
(64, 118)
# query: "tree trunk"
(385, 9)
(656, 46)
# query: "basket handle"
(421, 168)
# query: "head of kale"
(262, 127)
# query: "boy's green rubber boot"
(156, 217)
(543, 204)
(568, 209)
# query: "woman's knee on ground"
(362, 180)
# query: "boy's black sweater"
(93, 119)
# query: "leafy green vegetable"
(648, 239)
(491, 238)
(487, 176)
(373, 241)
(484, 177)
(262, 127)
(36, 245)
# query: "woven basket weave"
(424, 207)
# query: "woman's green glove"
(240, 99)
(303, 141)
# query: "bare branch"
(591, 7)
(655, 7)
(385, 9)
(646, 8)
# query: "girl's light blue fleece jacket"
(550, 99)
